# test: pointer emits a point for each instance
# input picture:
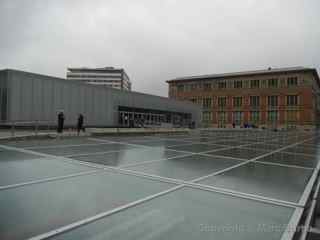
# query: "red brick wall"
(305, 108)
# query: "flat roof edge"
(190, 104)
(242, 74)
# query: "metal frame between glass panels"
(251, 138)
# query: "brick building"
(272, 98)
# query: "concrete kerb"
(97, 132)
(136, 131)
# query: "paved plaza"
(202, 185)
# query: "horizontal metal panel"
(40, 97)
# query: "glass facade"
(139, 117)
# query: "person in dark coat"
(80, 123)
(60, 122)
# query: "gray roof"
(95, 69)
(245, 73)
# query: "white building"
(107, 76)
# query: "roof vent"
(269, 68)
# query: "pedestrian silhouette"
(60, 122)
(80, 123)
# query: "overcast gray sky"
(156, 40)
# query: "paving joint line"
(74, 161)
(156, 160)
(98, 153)
(138, 174)
(300, 154)
(65, 228)
(150, 147)
(249, 161)
(199, 186)
(50, 179)
(169, 140)
(225, 191)
(177, 140)
(64, 146)
(221, 156)
(192, 183)
(254, 197)
(44, 155)
(140, 145)
(284, 165)
(216, 150)
(194, 153)
(194, 143)
(102, 215)
(187, 152)
(313, 145)
(122, 143)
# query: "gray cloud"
(158, 40)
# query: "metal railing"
(308, 229)
(13, 127)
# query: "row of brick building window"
(254, 101)
(223, 84)
(207, 103)
(254, 116)
(273, 101)
(237, 101)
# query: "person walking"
(60, 122)
(126, 120)
(80, 124)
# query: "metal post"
(12, 130)
(36, 127)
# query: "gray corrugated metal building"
(28, 96)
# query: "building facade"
(28, 96)
(108, 76)
(272, 98)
